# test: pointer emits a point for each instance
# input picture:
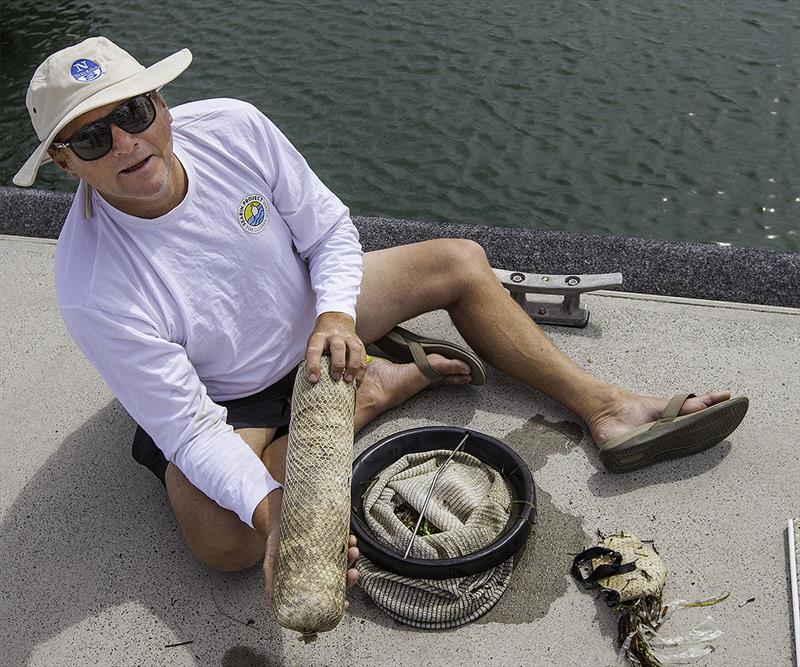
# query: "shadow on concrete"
(604, 485)
(243, 656)
(92, 530)
(591, 330)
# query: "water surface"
(668, 120)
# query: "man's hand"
(336, 333)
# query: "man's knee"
(464, 252)
(465, 261)
(215, 535)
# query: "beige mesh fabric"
(471, 505)
(309, 592)
(433, 604)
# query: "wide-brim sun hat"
(84, 77)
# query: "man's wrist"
(266, 516)
(336, 316)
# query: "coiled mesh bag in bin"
(470, 505)
(309, 591)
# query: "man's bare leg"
(456, 277)
(453, 274)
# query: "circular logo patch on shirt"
(253, 213)
(85, 70)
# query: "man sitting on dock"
(202, 260)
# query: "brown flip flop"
(671, 436)
(406, 346)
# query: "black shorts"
(270, 407)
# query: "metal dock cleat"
(567, 312)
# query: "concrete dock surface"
(96, 572)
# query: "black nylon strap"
(601, 571)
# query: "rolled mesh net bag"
(469, 508)
(309, 591)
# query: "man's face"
(149, 153)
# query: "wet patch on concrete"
(542, 567)
(538, 425)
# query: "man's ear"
(60, 160)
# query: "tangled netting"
(631, 576)
(309, 592)
(469, 508)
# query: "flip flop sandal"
(672, 437)
(406, 346)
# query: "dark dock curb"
(692, 270)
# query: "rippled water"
(657, 119)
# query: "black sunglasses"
(93, 141)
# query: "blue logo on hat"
(85, 70)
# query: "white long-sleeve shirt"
(214, 300)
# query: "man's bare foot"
(387, 385)
(625, 411)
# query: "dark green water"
(659, 119)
